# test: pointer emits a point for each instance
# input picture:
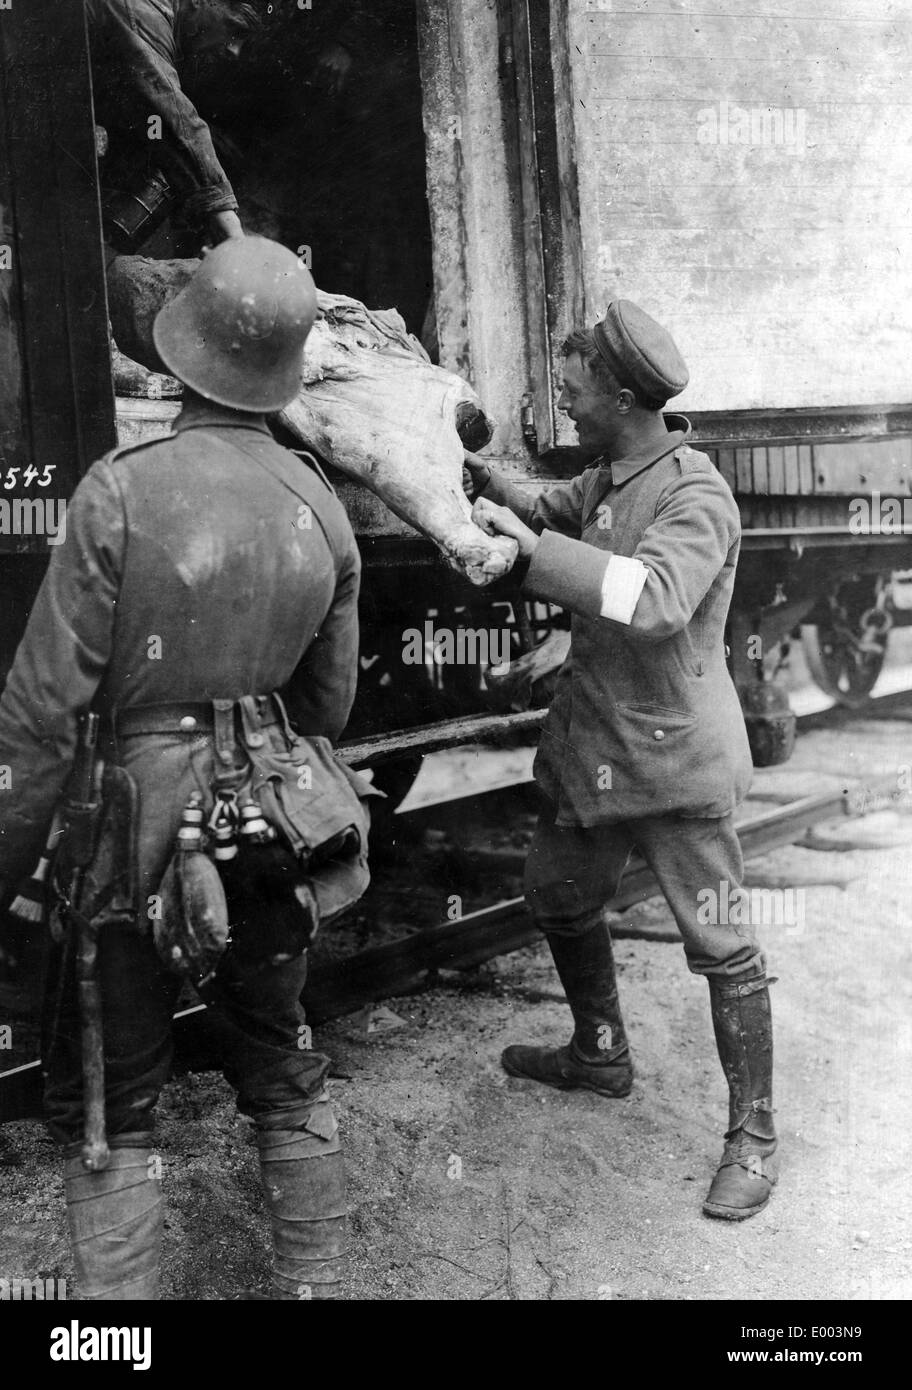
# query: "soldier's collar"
(679, 431)
(198, 413)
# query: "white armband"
(622, 585)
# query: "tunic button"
(659, 735)
(187, 724)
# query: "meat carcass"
(371, 403)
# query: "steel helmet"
(236, 331)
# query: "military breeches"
(572, 872)
(259, 1028)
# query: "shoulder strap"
(311, 459)
(113, 454)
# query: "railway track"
(343, 986)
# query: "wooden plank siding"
(830, 469)
(809, 486)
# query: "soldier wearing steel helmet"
(644, 747)
(194, 611)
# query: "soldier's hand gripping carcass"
(216, 641)
(369, 402)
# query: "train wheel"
(846, 652)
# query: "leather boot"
(304, 1180)
(744, 1035)
(115, 1221)
(597, 1057)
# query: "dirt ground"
(466, 1184)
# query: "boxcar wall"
(742, 172)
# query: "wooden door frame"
(536, 38)
(537, 125)
(60, 290)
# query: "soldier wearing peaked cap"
(205, 611)
(644, 747)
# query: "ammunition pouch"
(267, 902)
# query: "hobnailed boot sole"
(574, 1079)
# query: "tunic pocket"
(656, 727)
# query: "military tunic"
(645, 719)
(210, 564)
(190, 572)
(644, 747)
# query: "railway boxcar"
(500, 169)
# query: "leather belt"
(191, 718)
